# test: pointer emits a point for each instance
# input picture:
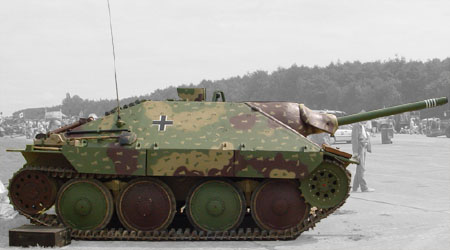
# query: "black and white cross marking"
(162, 123)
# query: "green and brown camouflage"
(178, 138)
(198, 138)
(212, 162)
(192, 94)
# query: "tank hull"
(185, 170)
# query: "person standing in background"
(360, 144)
(368, 127)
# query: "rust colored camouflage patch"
(272, 124)
(125, 159)
(199, 98)
(243, 121)
(285, 112)
(265, 167)
(226, 171)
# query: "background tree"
(348, 86)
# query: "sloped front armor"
(297, 116)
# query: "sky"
(52, 47)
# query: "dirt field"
(410, 208)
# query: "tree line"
(349, 87)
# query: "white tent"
(7, 212)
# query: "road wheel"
(146, 204)
(215, 205)
(84, 204)
(278, 205)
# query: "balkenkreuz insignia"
(162, 123)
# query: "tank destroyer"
(189, 170)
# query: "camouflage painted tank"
(189, 170)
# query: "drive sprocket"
(327, 186)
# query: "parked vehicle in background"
(436, 127)
(404, 121)
(343, 134)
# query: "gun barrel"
(429, 103)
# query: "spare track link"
(174, 234)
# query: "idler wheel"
(146, 204)
(32, 192)
(277, 204)
(84, 204)
(215, 205)
(327, 186)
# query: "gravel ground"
(410, 208)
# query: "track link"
(174, 234)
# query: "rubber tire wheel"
(277, 204)
(103, 193)
(192, 193)
(127, 223)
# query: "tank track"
(174, 234)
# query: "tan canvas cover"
(319, 122)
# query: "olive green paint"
(326, 187)
(83, 206)
(216, 206)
